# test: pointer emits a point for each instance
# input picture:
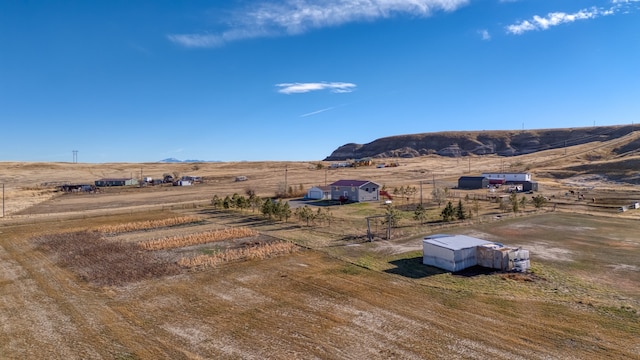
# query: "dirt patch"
(103, 262)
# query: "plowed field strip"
(77, 316)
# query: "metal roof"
(454, 242)
(357, 183)
(115, 179)
(472, 178)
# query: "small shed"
(451, 252)
(319, 193)
(529, 186)
(473, 182)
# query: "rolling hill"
(503, 143)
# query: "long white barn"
(508, 176)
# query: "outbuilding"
(451, 252)
(473, 182)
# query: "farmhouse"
(319, 193)
(355, 190)
(116, 182)
(473, 182)
(458, 252)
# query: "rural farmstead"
(458, 252)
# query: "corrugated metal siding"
(451, 253)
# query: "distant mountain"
(462, 143)
(174, 160)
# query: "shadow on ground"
(415, 269)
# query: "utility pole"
(2, 199)
(285, 180)
(75, 156)
(325, 176)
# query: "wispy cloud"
(484, 34)
(317, 112)
(557, 18)
(296, 88)
(299, 16)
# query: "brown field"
(286, 290)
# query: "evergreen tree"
(286, 211)
(460, 213)
(227, 203)
(267, 208)
(420, 214)
(448, 212)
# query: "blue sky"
(140, 81)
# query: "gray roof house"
(355, 190)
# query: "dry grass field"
(158, 273)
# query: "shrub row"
(261, 251)
(146, 225)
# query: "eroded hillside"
(503, 143)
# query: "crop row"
(261, 251)
(200, 238)
(147, 225)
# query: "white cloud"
(555, 19)
(299, 16)
(484, 33)
(297, 88)
(558, 18)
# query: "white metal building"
(508, 176)
(451, 252)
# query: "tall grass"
(195, 239)
(261, 251)
(146, 225)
